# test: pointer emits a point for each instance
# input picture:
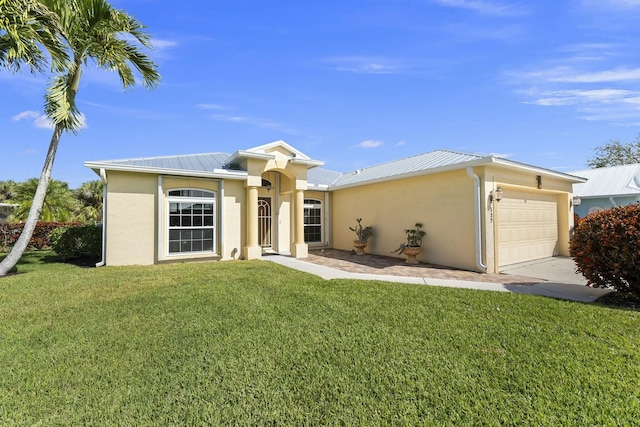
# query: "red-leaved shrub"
(9, 234)
(606, 248)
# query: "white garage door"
(527, 227)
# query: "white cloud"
(616, 75)
(365, 65)
(163, 44)
(400, 143)
(370, 143)
(41, 121)
(573, 97)
(599, 81)
(254, 121)
(486, 7)
(609, 4)
(210, 107)
(25, 115)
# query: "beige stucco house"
(480, 212)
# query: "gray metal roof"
(205, 162)
(611, 181)
(322, 177)
(215, 165)
(408, 165)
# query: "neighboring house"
(273, 198)
(5, 211)
(606, 188)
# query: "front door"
(265, 222)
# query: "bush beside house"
(606, 248)
(77, 242)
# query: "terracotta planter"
(412, 253)
(359, 246)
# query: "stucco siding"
(233, 219)
(442, 202)
(131, 213)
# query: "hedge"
(40, 239)
(78, 242)
(606, 248)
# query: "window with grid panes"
(192, 219)
(312, 221)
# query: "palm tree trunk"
(36, 207)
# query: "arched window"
(312, 221)
(191, 221)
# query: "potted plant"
(363, 234)
(413, 245)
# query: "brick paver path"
(377, 264)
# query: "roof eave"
(240, 155)
(535, 169)
(484, 161)
(447, 168)
(216, 173)
(310, 163)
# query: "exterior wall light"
(539, 180)
(496, 195)
(577, 201)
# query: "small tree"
(76, 34)
(59, 203)
(8, 190)
(616, 153)
(89, 197)
(606, 248)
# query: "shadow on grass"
(620, 300)
(48, 257)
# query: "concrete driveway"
(561, 279)
(556, 269)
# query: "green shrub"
(78, 242)
(606, 248)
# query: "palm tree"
(89, 196)
(8, 190)
(92, 31)
(59, 203)
(27, 26)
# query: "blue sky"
(353, 83)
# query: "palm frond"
(26, 28)
(60, 105)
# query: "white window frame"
(320, 206)
(210, 198)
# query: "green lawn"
(253, 343)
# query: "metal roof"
(319, 177)
(216, 165)
(205, 162)
(611, 181)
(408, 165)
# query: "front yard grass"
(255, 343)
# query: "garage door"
(527, 227)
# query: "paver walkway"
(335, 264)
(389, 266)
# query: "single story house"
(480, 212)
(607, 188)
